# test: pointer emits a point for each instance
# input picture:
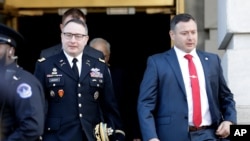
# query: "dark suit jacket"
(162, 104)
(75, 107)
(57, 48)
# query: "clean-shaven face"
(185, 35)
(75, 44)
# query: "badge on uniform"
(62, 63)
(52, 93)
(54, 76)
(24, 90)
(95, 72)
(96, 95)
(54, 71)
(88, 62)
(61, 92)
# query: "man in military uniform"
(22, 102)
(81, 99)
(68, 15)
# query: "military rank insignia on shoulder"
(41, 59)
(101, 60)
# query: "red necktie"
(195, 91)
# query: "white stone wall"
(225, 30)
(210, 18)
(234, 37)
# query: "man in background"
(117, 76)
(68, 15)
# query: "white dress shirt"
(78, 63)
(183, 62)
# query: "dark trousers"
(204, 135)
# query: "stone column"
(234, 37)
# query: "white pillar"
(234, 37)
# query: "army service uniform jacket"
(76, 105)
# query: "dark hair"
(184, 17)
(78, 21)
(75, 13)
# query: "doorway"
(132, 37)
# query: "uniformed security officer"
(22, 102)
(77, 101)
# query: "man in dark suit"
(77, 101)
(166, 108)
(68, 15)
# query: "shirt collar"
(181, 53)
(70, 58)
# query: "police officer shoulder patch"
(24, 90)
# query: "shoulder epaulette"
(101, 60)
(41, 59)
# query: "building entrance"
(132, 37)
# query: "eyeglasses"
(69, 36)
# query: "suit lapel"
(205, 63)
(173, 61)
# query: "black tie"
(75, 68)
